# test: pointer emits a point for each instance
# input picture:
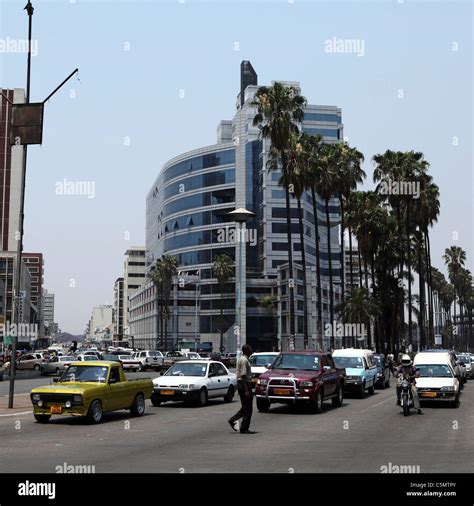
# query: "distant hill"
(65, 337)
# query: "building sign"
(27, 124)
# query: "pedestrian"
(244, 387)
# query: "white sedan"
(194, 381)
(259, 363)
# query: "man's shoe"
(232, 424)
(420, 412)
(247, 432)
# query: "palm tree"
(350, 174)
(312, 146)
(223, 268)
(169, 269)
(358, 307)
(279, 111)
(455, 258)
(156, 275)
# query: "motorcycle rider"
(410, 372)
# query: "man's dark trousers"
(245, 412)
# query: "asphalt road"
(360, 436)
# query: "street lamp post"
(241, 216)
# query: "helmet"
(406, 360)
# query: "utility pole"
(17, 285)
(36, 139)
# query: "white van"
(361, 370)
(437, 379)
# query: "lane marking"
(17, 414)
(16, 395)
(379, 403)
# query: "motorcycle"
(406, 399)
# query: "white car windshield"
(261, 360)
(125, 357)
(348, 362)
(187, 370)
(434, 371)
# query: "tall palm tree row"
(162, 274)
(223, 269)
(280, 111)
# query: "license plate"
(281, 391)
(56, 410)
(428, 394)
(167, 392)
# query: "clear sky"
(156, 77)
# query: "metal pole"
(239, 297)
(17, 286)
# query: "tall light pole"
(27, 128)
(240, 216)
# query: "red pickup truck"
(308, 377)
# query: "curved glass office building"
(187, 216)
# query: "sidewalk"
(21, 404)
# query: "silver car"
(57, 365)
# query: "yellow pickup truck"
(91, 389)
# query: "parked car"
(85, 358)
(129, 363)
(260, 363)
(437, 379)
(361, 371)
(56, 365)
(171, 357)
(309, 377)
(465, 360)
(383, 370)
(192, 355)
(91, 389)
(194, 381)
(30, 361)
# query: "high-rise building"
(118, 309)
(187, 216)
(48, 312)
(101, 323)
(133, 278)
(11, 163)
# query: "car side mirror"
(268, 366)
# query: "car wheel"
(36, 367)
(42, 372)
(338, 400)
(142, 368)
(317, 404)
(362, 391)
(155, 402)
(42, 418)
(230, 394)
(202, 401)
(138, 407)
(95, 413)
(263, 405)
(372, 388)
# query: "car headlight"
(40, 403)
(447, 389)
(186, 387)
(36, 397)
(306, 384)
(262, 382)
(68, 404)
